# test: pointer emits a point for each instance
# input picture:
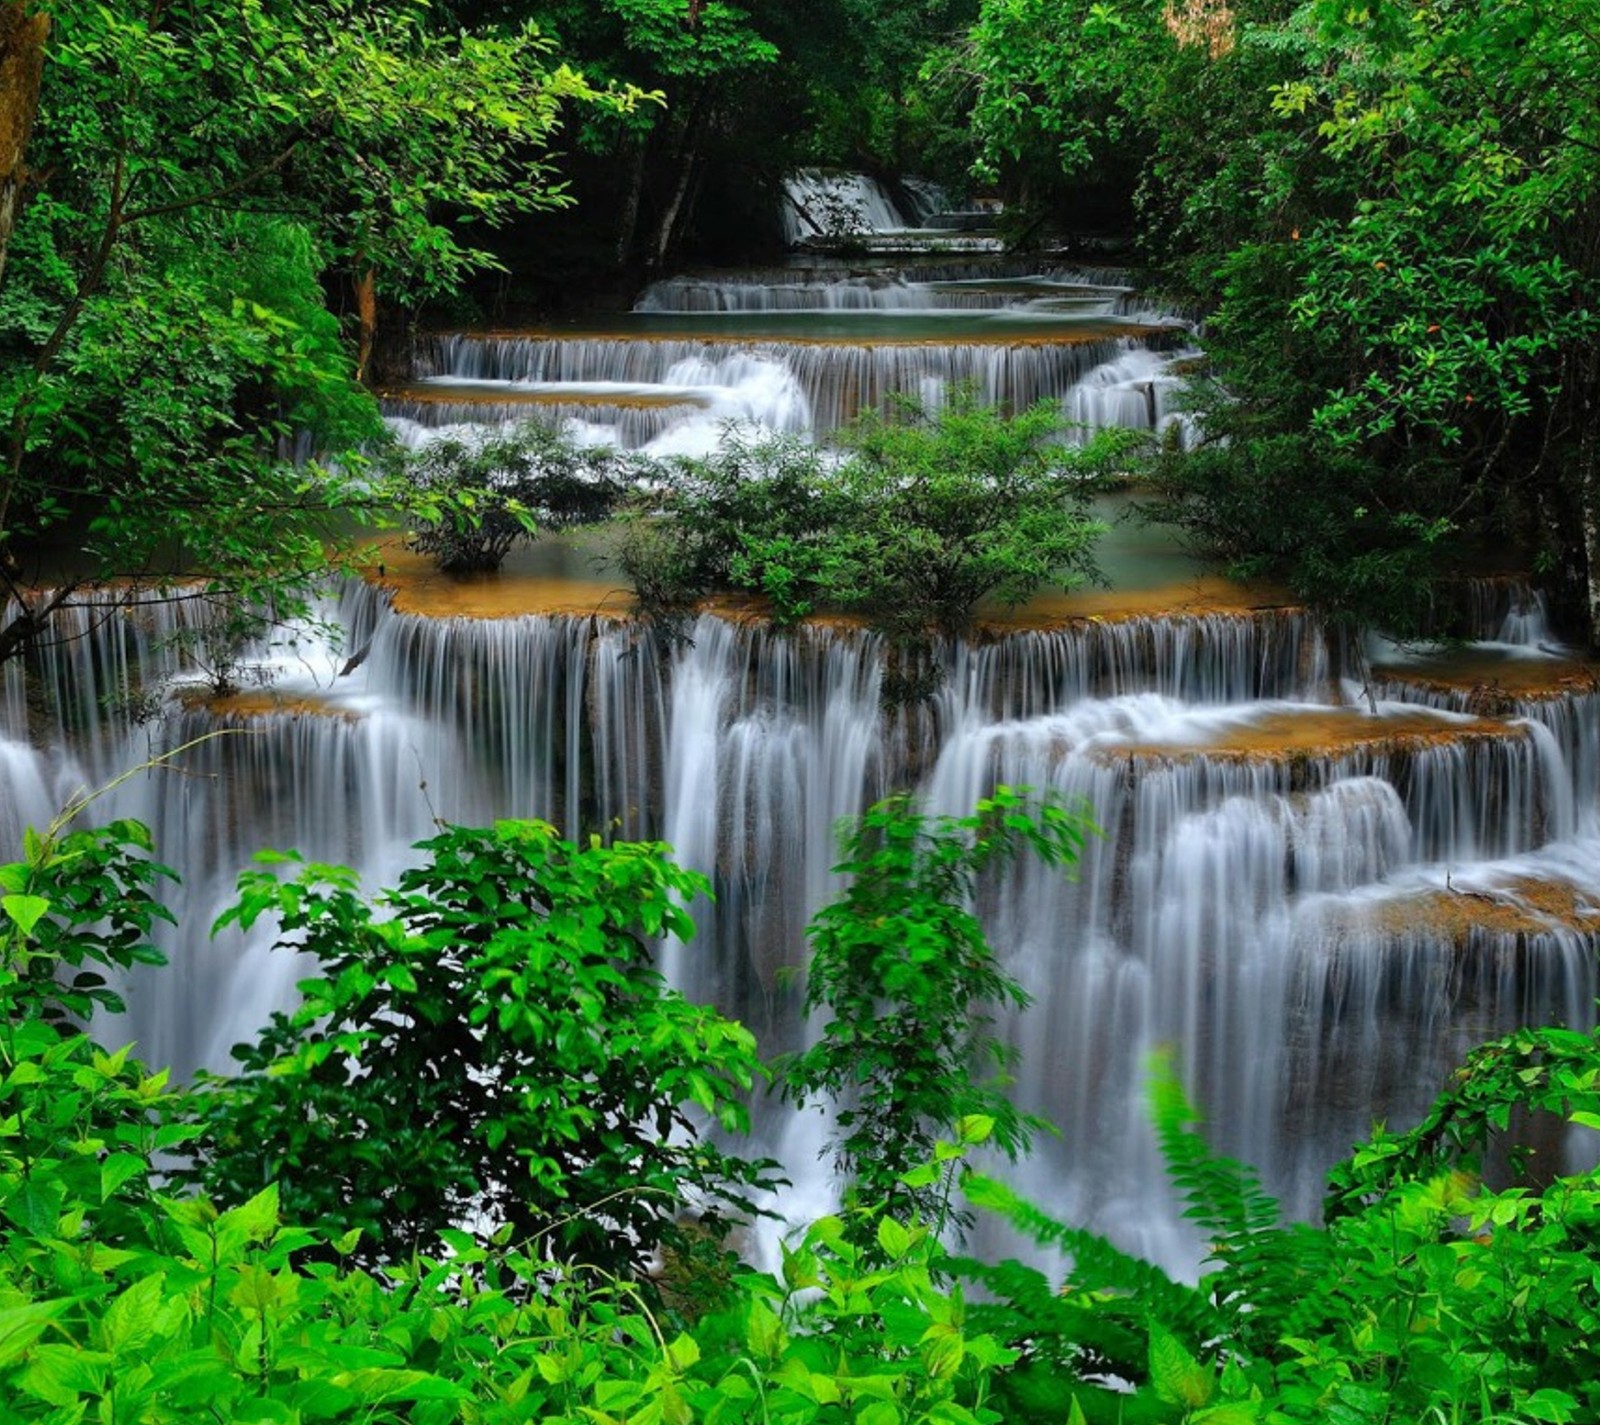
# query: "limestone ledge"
(262, 703)
(1319, 734)
(1515, 909)
(421, 590)
(1487, 685)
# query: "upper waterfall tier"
(801, 384)
(1057, 290)
(826, 207)
(801, 350)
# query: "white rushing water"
(1231, 910)
(1271, 896)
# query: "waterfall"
(780, 385)
(1318, 909)
(1246, 904)
(822, 204)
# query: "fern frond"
(1099, 1266)
(1224, 1196)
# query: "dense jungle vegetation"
(216, 222)
(473, 1177)
(469, 1179)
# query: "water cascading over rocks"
(1319, 908)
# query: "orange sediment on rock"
(1317, 732)
(1191, 598)
(419, 588)
(264, 702)
(1492, 683)
(1523, 906)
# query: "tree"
(499, 1050)
(907, 986)
(1390, 215)
(478, 496)
(196, 173)
(924, 516)
(946, 508)
(22, 39)
(703, 57)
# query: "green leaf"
(25, 912)
(1555, 1406)
(59, 1375)
(1178, 1378)
(1233, 1412)
(893, 1238)
(379, 1386)
(36, 1205)
(117, 1170)
(131, 1320)
(21, 1326)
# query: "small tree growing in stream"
(908, 983)
(927, 515)
(478, 497)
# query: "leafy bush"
(477, 497)
(120, 1301)
(905, 978)
(500, 1049)
(1427, 1298)
(922, 518)
(1430, 1297)
(700, 526)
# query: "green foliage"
(81, 904)
(200, 172)
(922, 519)
(1389, 213)
(948, 508)
(480, 495)
(1548, 1071)
(498, 1049)
(906, 983)
(1427, 1297)
(757, 514)
(121, 1301)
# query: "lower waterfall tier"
(1319, 907)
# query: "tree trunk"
(22, 37)
(688, 162)
(630, 210)
(367, 315)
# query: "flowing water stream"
(1319, 908)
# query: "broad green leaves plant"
(905, 986)
(488, 1042)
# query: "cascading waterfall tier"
(1253, 902)
(629, 420)
(814, 386)
(1104, 291)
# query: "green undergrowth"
(131, 1295)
